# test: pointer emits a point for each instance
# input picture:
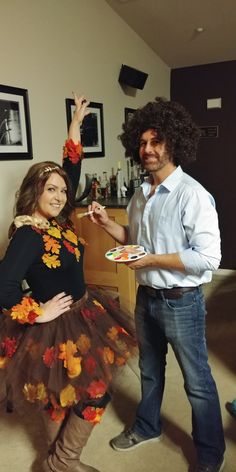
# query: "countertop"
(110, 202)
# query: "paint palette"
(128, 253)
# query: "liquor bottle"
(124, 189)
(104, 185)
(95, 191)
(135, 180)
(118, 180)
(113, 186)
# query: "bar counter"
(99, 271)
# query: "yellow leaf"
(3, 362)
(51, 261)
(42, 393)
(55, 232)
(95, 302)
(77, 254)
(70, 236)
(67, 396)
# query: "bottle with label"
(124, 189)
(118, 180)
(135, 180)
(95, 191)
(104, 185)
(113, 186)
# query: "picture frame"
(15, 128)
(92, 128)
(128, 113)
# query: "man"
(174, 218)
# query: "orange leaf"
(83, 344)
(97, 389)
(108, 355)
(51, 244)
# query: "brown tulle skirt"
(70, 359)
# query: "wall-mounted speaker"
(132, 77)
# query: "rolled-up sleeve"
(200, 221)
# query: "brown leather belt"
(169, 293)
(80, 302)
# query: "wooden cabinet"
(116, 277)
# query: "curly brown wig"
(173, 124)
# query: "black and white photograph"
(92, 129)
(128, 113)
(15, 133)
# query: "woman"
(60, 345)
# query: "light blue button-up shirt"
(179, 218)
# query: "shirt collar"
(169, 183)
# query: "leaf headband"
(48, 169)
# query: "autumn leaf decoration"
(52, 246)
(54, 231)
(68, 396)
(83, 344)
(51, 260)
(93, 415)
(7, 349)
(71, 363)
(49, 356)
(56, 411)
(35, 392)
(26, 311)
(97, 389)
(72, 151)
(70, 236)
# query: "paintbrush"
(87, 213)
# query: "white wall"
(51, 47)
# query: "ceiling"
(169, 27)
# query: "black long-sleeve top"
(50, 260)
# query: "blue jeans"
(180, 322)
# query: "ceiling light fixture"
(199, 29)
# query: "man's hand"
(158, 261)
(146, 261)
(98, 216)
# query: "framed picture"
(15, 129)
(128, 113)
(92, 129)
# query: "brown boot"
(52, 430)
(69, 445)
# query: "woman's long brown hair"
(32, 188)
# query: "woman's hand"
(54, 307)
(81, 110)
(81, 105)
